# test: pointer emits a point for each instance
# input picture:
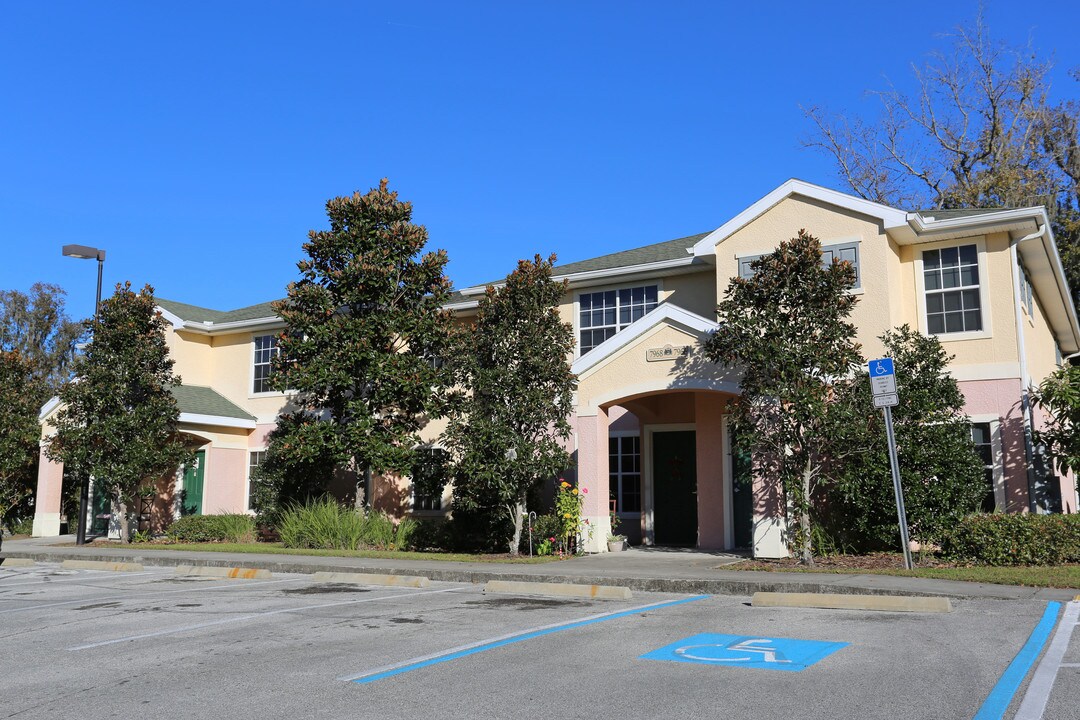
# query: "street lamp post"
(84, 252)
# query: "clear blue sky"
(197, 142)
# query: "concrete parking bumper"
(594, 592)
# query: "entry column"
(711, 448)
(592, 432)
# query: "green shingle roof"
(200, 400)
(201, 314)
(657, 252)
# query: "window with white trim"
(266, 348)
(602, 314)
(624, 472)
(1027, 293)
(428, 471)
(845, 252)
(981, 435)
(255, 459)
(952, 292)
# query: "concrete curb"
(16, 562)
(735, 583)
(593, 592)
(413, 581)
(237, 573)
(110, 565)
(833, 601)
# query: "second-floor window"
(602, 314)
(846, 252)
(266, 348)
(951, 283)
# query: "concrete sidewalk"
(644, 569)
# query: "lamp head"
(84, 252)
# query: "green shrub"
(544, 528)
(432, 534)
(1014, 539)
(328, 525)
(226, 527)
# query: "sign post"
(883, 386)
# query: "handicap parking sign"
(748, 651)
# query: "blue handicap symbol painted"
(748, 651)
(881, 368)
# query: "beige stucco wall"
(879, 265)
(627, 374)
(193, 357)
(1038, 342)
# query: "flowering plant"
(568, 502)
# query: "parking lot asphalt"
(150, 644)
(641, 569)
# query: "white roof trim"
(925, 222)
(48, 408)
(175, 320)
(890, 217)
(590, 275)
(216, 420)
(664, 312)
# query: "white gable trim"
(664, 312)
(890, 217)
(216, 420)
(48, 408)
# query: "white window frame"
(634, 515)
(605, 288)
(247, 478)
(251, 367)
(999, 461)
(833, 245)
(984, 289)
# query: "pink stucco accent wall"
(223, 483)
(592, 467)
(260, 438)
(709, 411)
(49, 485)
(1001, 398)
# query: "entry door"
(193, 485)
(674, 465)
(742, 482)
(101, 511)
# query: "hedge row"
(227, 527)
(1014, 539)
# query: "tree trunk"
(517, 514)
(125, 523)
(363, 491)
(804, 516)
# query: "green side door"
(675, 488)
(101, 508)
(192, 494)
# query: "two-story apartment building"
(650, 435)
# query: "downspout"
(1025, 380)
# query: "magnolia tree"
(1059, 397)
(941, 473)
(118, 420)
(20, 393)
(786, 329)
(365, 331)
(509, 433)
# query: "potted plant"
(616, 543)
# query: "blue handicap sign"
(747, 651)
(881, 368)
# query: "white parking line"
(255, 616)
(1042, 682)
(80, 576)
(208, 586)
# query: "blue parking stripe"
(995, 705)
(527, 635)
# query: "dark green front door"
(101, 511)
(191, 503)
(742, 511)
(674, 488)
